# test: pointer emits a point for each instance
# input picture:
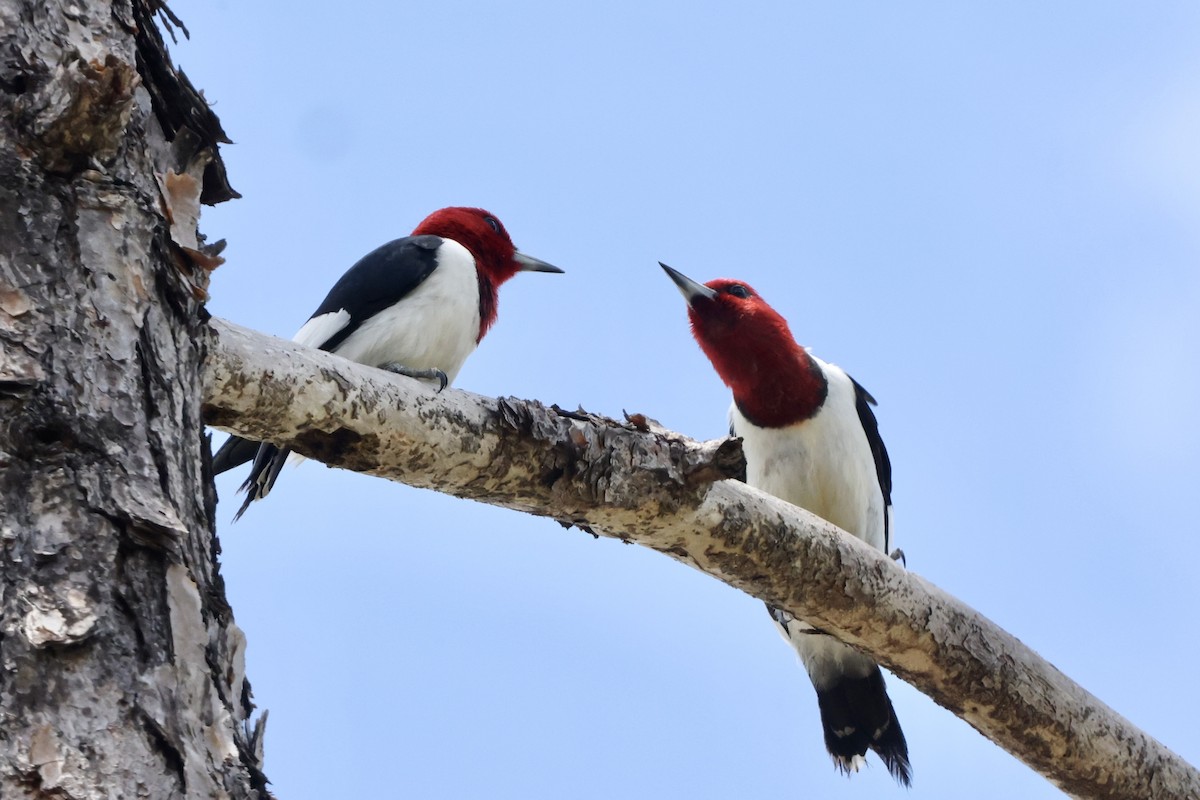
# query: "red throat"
(487, 240)
(775, 382)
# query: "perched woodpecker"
(810, 438)
(417, 306)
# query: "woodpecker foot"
(898, 555)
(428, 374)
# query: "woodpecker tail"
(856, 712)
(267, 462)
(233, 453)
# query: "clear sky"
(989, 216)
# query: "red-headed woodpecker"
(810, 438)
(417, 306)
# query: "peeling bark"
(121, 664)
(635, 481)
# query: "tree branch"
(635, 481)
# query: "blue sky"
(989, 216)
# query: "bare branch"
(640, 483)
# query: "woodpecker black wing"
(866, 697)
(379, 280)
(883, 465)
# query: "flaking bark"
(635, 481)
(121, 669)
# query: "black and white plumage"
(810, 438)
(417, 306)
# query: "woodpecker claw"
(898, 555)
(427, 374)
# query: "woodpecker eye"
(737, 290)
(495, 223)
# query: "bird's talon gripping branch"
(427, 298)
(421, 374)
(898, 555)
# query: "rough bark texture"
(637, 482)
(121, 670)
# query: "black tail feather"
(233, 453)
(857, 714)
(268, 461)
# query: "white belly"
(823, 464)
(436, 326)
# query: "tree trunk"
(122, 669)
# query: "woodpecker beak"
(531, 264)
(690, 290)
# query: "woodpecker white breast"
(823, 463)
(434, 325)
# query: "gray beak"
(531, 264)
(690, 290)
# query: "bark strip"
(635, 481)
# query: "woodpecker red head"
(773, 379)
(417, 306)
(496, 257)
(810, 438)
